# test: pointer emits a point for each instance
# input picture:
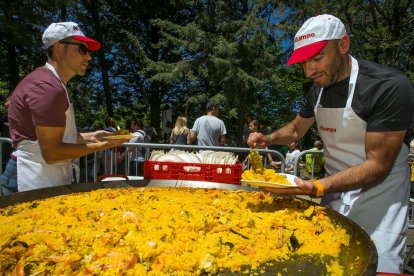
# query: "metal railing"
(298, 157)
(90, 164)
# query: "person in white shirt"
(137, 154)
(208, 129)
(293, 151)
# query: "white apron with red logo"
(381, 210)
(32, 170)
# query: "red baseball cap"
(58, 31)
(314, 35)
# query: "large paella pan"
(356, 257)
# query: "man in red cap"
(363, 112)
(41, 118)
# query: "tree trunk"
(13, 66)
(101, 58)
(154, 97)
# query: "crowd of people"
(362, 110)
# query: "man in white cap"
(41, 117)
(363, 112)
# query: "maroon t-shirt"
(38, 100)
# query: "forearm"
(366, 174)
(222, 140)
(54, 150)
(66, 151)
(291, 132)
(193, 136)
(283, 136)
(84, 137)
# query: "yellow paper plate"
(259, 183)
(117, 137)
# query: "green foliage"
(184, 53)
(4, 92)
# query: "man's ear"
(58, 49)
(344, 45)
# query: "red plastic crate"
(221, 173)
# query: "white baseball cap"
(58, 31)
(314, 35)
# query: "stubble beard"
(338, 67)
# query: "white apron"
(381, 210)
(32, 170)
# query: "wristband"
(269, 138)
(320, 191)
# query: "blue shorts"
(8, 180)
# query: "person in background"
(293, 151)
(167, 122)
(246, 131)
(8, 179)
(6, 147)
(111, 124)
(315, 162)
(283, 149)
(363, 113)
(4, 120)
(137, 154)
(208, 129)
(41, 115)
(254, 126)
(151, 131)
(180, 134)
(109, 156)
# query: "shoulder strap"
(142, 132)
(176, 138)
(143, 136)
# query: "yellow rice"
(162, 231)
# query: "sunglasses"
(83, 50)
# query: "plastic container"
(220, 173)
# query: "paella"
(164, 231)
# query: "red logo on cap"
(302, 37)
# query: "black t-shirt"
(383, 97)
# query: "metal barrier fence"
(105, 163)
(111, 166)
(298, 157)
(264, 152)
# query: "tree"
(229, 52)
(186, 52)
(21, 49)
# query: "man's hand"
(303, 188)
(94, 137)
(257, 140)
(97, 136)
